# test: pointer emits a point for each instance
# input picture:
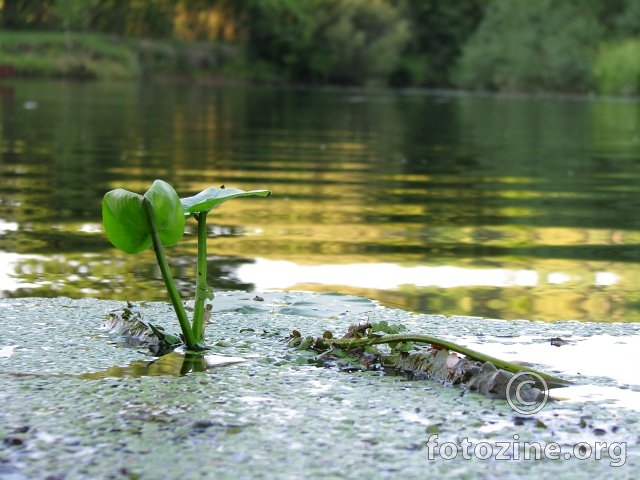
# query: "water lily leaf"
(125, 221)
(125, 218)
(213, 197)
(167, 212)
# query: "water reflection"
(172, 364)
(385, 276)
(500, 207)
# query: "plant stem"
(174, 295)
(349, 343)
(202, 289)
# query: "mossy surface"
(274, 416)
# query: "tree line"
(505, 45)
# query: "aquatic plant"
(442, 360)
(134, 222)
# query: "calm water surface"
(455, 204)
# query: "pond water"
(503, 207)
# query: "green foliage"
(150, 18)
(73, 15)
(337, 41)
(617, 68)
(619, 18)
(357, 42)
(25, 14)
(505, 45)
(385, 327)
(438, 30)
(278, 31)
(523, 45)
(96, 56)
(77, 55)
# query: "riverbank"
(94, 56)
(91, 56)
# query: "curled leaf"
(452, 360)
(167, 212)
(125, 220)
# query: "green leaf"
(306, 343)
(213, 197)
(125, 221)
(163, 336)
(405, 346)
(168, 214)
(125, 218)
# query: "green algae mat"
(76, 402)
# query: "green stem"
(202, 289)
(176, 301)
(349, 343)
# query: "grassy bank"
(612, 70)
(107, 57)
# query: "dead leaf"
(452, 360)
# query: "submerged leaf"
(213, 197)
(131, 330)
